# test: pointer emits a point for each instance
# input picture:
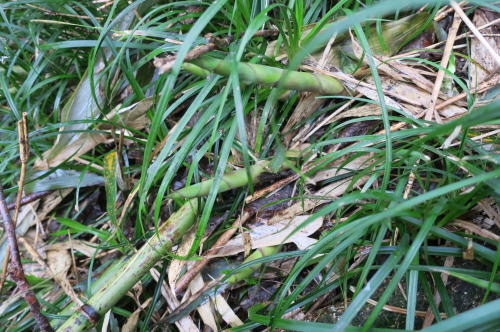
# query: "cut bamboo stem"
(135, 268)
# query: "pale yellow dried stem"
(452, 35)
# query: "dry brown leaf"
(226, 312)
(59, 262)
(307, 105)
(275, 234)
(28, 215)
(185, 324)
(84, 247)
(133, 116)
(327, 193)
(131, 323)
(177, 265)
(205, 310)
(483, 63)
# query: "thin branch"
(16, 268)
(29, 198)
(22, 131)
(452, 35)
(24, 150)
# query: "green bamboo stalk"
(251, 73)
(138, 265)
(234, 179)
(106, 276)
(230, 181)
(217, 289)
(247, 272)
(194, 69)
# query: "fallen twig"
(452, 35)
(22, 131)
(29, 198)
(17, 272)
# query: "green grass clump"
(143, 159)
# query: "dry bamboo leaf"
(59, 262)
(133, 116)
(205, 310)
(473, 228)
(275, 234)
(336, 170)
(370, 91)
(131, 323)
(185, 324)
(327, 193)
(84, 247)
(411, 94)
(307, 105)
(483, 63)
(177, 265)
(226, 312)
(397, 84)
(36, 270)
(491, 211)
(85, 143)
(28, 215)
(358, 112)
(452, 111)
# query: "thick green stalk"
(247, 272)
(96, 286)
(251, 73)
(138, 265)
(230, 181)
(234, 179)
(194, 69)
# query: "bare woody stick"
(29, 198)
(24, 150)
(452, 35)
(22, 131)
(16, 268)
